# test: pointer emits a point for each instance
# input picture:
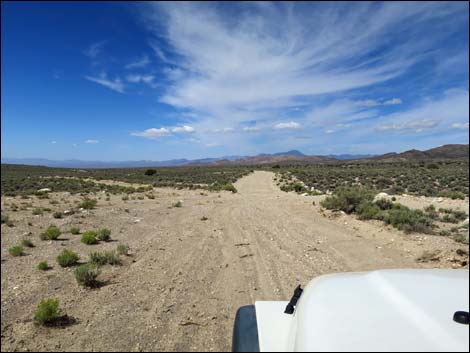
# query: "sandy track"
(187, 277)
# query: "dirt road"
(186, 278)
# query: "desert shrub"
(57, 214)
(123, 249)
(403, 218)
(150, 172)
(86, 275)
(445, 233)
(88, 204)
(75, 230)
(27, 243)
(47, 311)
(43, 266)
(229, 187)
(98, 258)
(178, 204)
(368, 210)
(67, 258)
(432, 166)
(431, 211)
(51, 233)
(454, 195)
(461, 238)
(37, 211)
(125, 198)
(150, 196)
(108, 257)
(16, 250)
(5, 219)
(384, 204)
(89, 237)
(104, 234)
(204, 218)
(348, 199)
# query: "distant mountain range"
(443, 152)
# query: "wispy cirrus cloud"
(140, 78)
(95, 49)
(92, 141)
(113, 84)
(413, 126)
(141, 63)
(334, 53)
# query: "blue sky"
(132, 81)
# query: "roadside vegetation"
(446, 179)
(364, 203)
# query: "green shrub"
(88, 204)
(123, 249)
(16, 250)
(51, 233)
(89, 237)
(229, 187)
(454, 195)
(37, 211)
(461, 238)
(403, 218)
(5, 219)
(104, 234)
(348, 199)
(43, 266)
(108, 257)
(384, 204)
(47, 311)
(178, 204)
(150, 172)
(67, 258)
(57, 214)
(368, 210)
(445, 233)
(75, 230)
(27, 243)
(86, 275)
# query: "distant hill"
(443, 152)
(290, 157)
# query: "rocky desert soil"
(186, 276)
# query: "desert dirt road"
(181, 287)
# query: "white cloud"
(331, 131)
(185, 129)
(367, 103)
(451, 106)
(53, 142)
(115, 85)
(140, 78)
(289, 125)
(153, 133)
(92, 141)
(330, 53)
(373, 102)
(393, 101)
(94, 49)
(460, 126)
(251, 128)
(414, 126)
(139, 63)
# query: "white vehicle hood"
(387, 310)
